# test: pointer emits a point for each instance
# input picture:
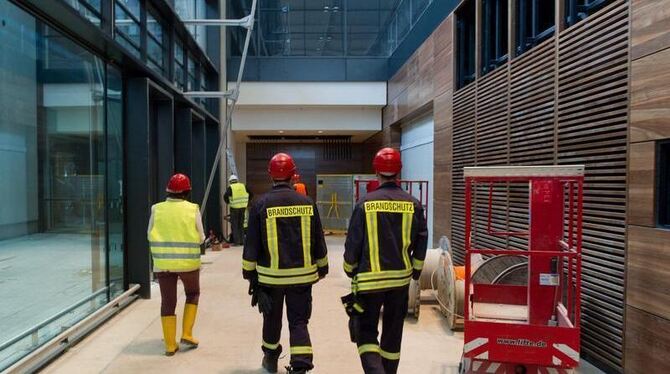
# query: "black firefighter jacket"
(387, 240)
(285, 245)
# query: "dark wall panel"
(311, 159)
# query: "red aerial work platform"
(531, 327)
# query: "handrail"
(49, 320)
(47, 351)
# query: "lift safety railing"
(231, 96)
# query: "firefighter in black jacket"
(385, 248)
(284, 254)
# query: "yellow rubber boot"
(190, 311)
(170, 334)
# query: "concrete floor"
(230, 332)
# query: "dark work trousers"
(237, 224)
(298, 311)
(168, 285)
(382, 358)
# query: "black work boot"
(270, 360)
(290, 370)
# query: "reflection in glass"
(127, 25)
(156, 44)
(193, 9)
(53, 156)
(317, 28)
(115, 180)
(89, 9)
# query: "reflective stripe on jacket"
(285, 245)
(386, 241)
(240, 197)
(173, 237)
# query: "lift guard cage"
(410, 186)
(532, 327)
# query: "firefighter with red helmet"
(298, 186)
(284, 254)
(175, 236)
(385, 248)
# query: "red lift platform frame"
(531, 328)
(408, 185)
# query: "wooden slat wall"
(521, 116)
(592, 129)
(647, 274)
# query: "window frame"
(496, 37)
(527, 36)
(466, 28)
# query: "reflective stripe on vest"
(174, 239)
(240, 197)
(376, 278)
(285, 276)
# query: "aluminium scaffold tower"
(230, 95)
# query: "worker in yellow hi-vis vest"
(175, 235)
(237, 196)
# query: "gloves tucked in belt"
(260, 297)
(354, 310)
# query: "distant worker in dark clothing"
(175, 237)
(385, 248)
(285, 253)
(298, 186)
(237, 197)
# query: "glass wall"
(61, 159)
(194, 9)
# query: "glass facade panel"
(418, 7)
(156, 50)
(193, 9)
(311, 28)
(127, 25)
(60, 169)
(90, 9)
(114, 140)
(179, 65)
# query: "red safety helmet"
(178, 183)
(387, 162)
(296, 178)
(281, 167)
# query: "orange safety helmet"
(387, 162)
(281, 167)
(178, 183)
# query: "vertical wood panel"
(650, 97)
(641, 184)
(650, 23)
(442, 161)
(647, 343)
(648, 271)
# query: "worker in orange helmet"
(385, 248)
(298, 186)
(175, 236)
(284, 255)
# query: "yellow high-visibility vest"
(174, 239)
(240, 198)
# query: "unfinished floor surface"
(230, 331)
